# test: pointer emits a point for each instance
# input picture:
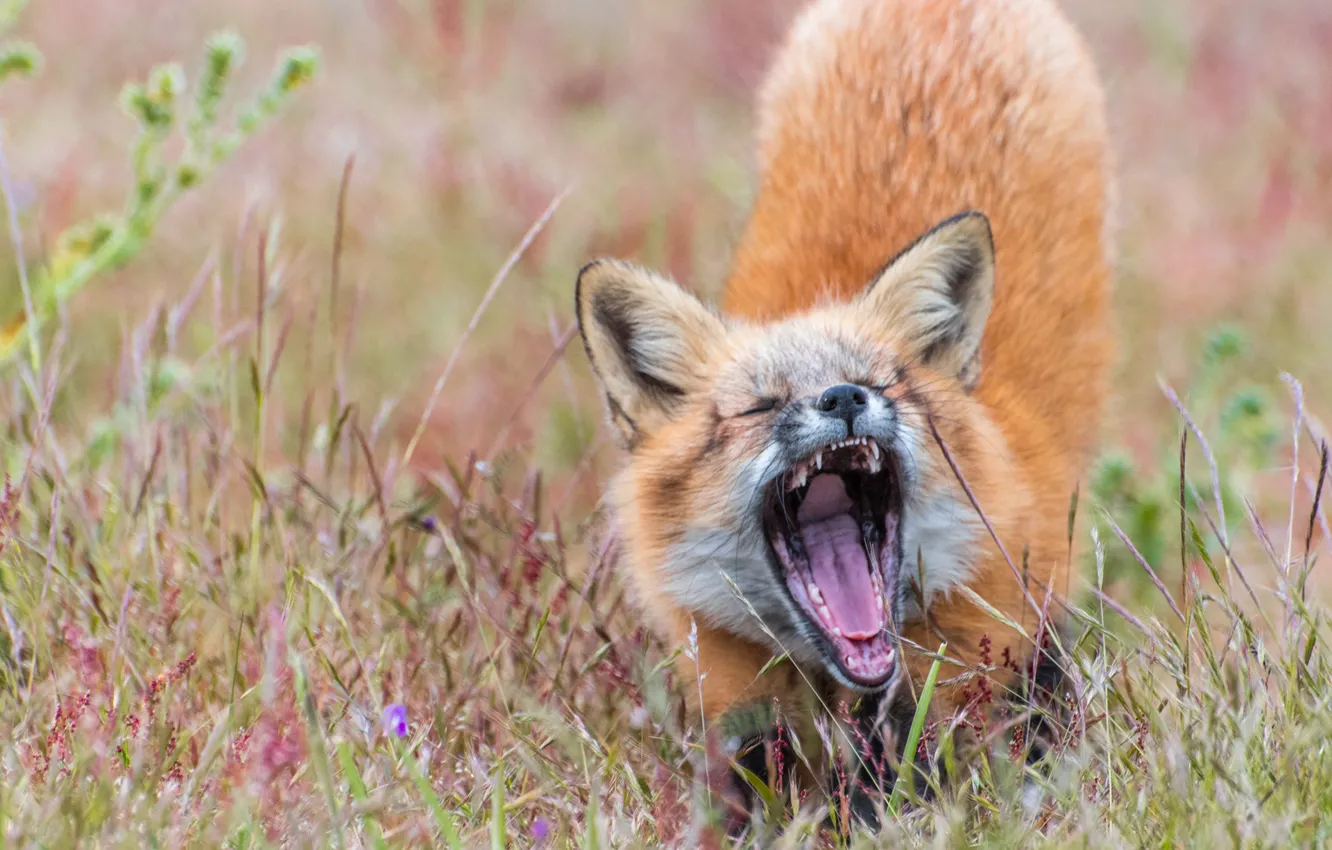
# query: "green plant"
(164, 111)
(1145, 504)
(200, 639)
(17, 58)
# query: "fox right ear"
(936, 295)
(648, 341)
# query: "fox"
(870, 449)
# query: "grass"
(316, 560)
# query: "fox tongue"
(837, 558)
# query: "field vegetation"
(300, 533)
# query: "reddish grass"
(200, 625)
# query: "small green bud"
(1248, 403)
(1226, 343)
(166, 83)
(297, 68)
(149, 113)
(19, 59)
(147, 188)
(226, 50)
(187, 176)
(79, 242)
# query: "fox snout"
(841, 412)
(844, 401)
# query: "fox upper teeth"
(869, 460)
(874, 459)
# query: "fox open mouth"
(832, 522)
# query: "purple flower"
(540, 829)
(395, 720)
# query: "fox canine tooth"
(793, 480)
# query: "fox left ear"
(936, 295)
(649, 342)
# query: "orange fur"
(884, 116)
(879, 119)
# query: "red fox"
(916, 323)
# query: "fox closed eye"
(763, 406)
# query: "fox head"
(783, 482)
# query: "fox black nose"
(844, 401)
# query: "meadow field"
(300, 533)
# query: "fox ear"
(649, 342)
(937, 293)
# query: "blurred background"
(467, 118)
(256, 550)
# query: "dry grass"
(219, 565)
